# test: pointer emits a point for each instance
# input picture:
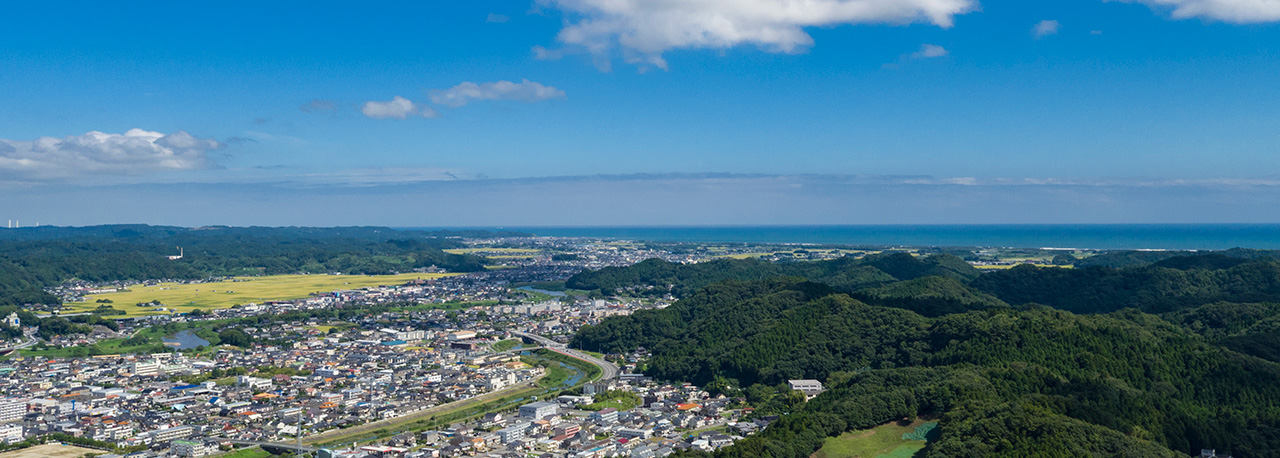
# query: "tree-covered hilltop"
(1153, 288)
(112, 253)
(1012, 381)
(1173, 283)
(929, 296)
(656, 276)
(1120, 259)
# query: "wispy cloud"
(467, 92)
(1234, 11)
(318, 106)
(135, 152)
(1045, 28)
(495, 18)
(930, 51)
(642, 30)
(396, 108)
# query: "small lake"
(543, 291)
(184, 340)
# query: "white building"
(169, 434)
(146, 369)
(253, 383)
(12, 409)
(538, 410)
(512, 433)
(606, 416)
(11, 433)
(461, 335)
(191, 448)
(810, 388)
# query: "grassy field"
(884, 441)
(252, 452)
(243, 290)
(506, 344)
(51, 451)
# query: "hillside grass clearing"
(884, 441)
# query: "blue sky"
(1043, 111)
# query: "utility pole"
(299, 435)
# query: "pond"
(184, 340)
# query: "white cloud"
(930, 51)
(135, 152)
(524, 91)
(495, 18)
(644, 29)
(396, 108)
(1235, 11)
(1045, 28)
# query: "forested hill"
(110, 253)
(659, 277)
(1151, 288)
(1170, 284)
(1026, 381)
(1142, 258)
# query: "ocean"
(1085, 236)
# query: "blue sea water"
(1094, 236)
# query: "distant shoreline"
(1079, 236)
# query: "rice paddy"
(241, 290)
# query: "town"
(464, 365)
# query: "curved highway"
(608, 370)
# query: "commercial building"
(538, 410)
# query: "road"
(608, 370)
(30, 341)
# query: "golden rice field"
(241, 290)
(506, 251)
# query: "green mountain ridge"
(1006, 381)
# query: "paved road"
(608, 370)
(31, 341)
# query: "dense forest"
(658, 277)
(1158, 359)
(32, 259)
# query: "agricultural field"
(242, 290)
(884, 441)
(499, 252)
